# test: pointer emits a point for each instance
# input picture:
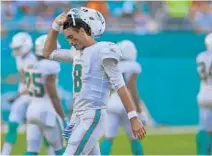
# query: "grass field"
(160, 144)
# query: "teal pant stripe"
(88, 132)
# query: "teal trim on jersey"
(203, 143)
(106, 146)
(136, 147)
(12, 133)
(88, 133)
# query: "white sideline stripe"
(150, 130)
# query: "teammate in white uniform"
(204, 136)
(21, 45)
(44, 114)
(95, 68)
(116, 112)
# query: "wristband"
(132, 114)
(56, 26)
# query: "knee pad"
(203, 143)
(11, 135)
(136, 147)
(106, 147)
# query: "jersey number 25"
(33, 84)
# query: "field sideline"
(159, 140)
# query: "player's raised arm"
(50, 48)
(110, 58)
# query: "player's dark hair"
(79, 23)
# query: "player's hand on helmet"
(137, 128)
(143, 117)
(60, 19)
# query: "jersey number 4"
(77, 78)
(33, 79)
(204, 73)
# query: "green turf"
(153, 144)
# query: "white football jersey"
(128, 68)
(91, 85)
(204, 68)
(20, 63)
(35, 79)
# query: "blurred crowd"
(142, 17)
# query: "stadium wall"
(169, 82)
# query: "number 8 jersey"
(35, 78)
(91, 85)
(204, 67)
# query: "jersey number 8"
(77, 78)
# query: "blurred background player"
(21, 46)
(204, 136)
(115, 110)
(45, 117)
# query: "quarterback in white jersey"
(95, 68)
(44, 114)
(21, 46)
(204, 136)
(116, 113)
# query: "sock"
(60, 152)
(11, 135)
(203, 143)
(50, 150)
(30, 153)
(7, 148)
(10, 138)
(106, 146)
(136, 147)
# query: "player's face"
(16, 51)
(75, 38)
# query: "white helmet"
(129, 51)
(21, 44)
(208, 41)
(92, 17)
(40, 43)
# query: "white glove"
(143, 117)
